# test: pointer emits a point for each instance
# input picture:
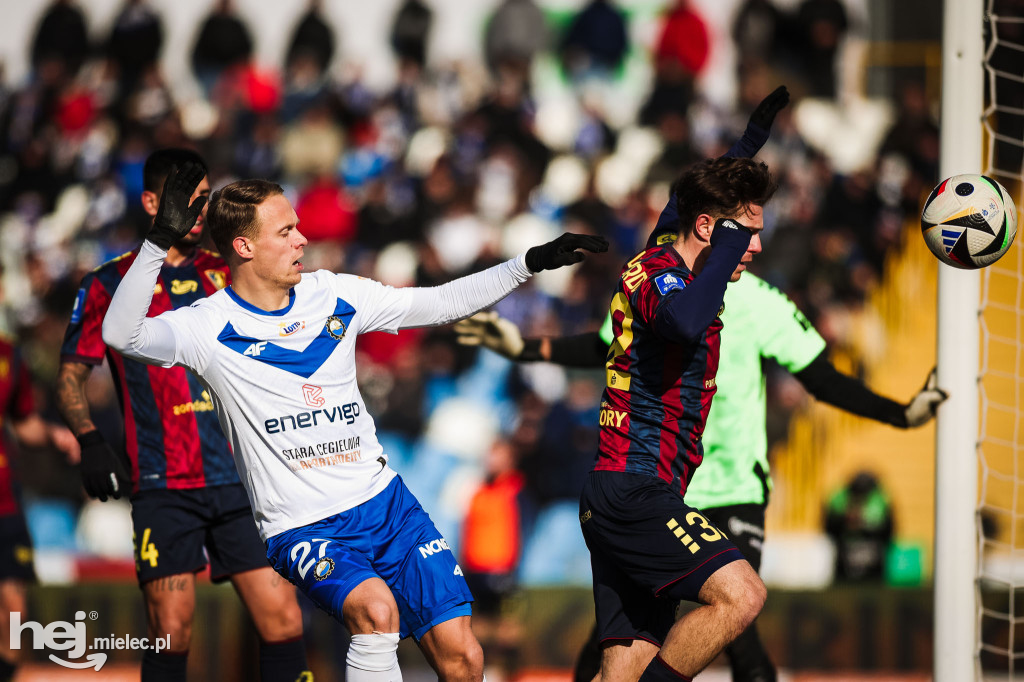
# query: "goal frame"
(956, 647)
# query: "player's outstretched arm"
(827, 384)
(431, 306)
(502, 336)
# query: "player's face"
(277, 250)
(195, 235)
(752, 218)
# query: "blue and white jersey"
(283, 382)
(284, 385)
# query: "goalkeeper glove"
(491, 331)
(922, 407)
(175, 217)
(103, 472)
(764, 114)
(562, 251)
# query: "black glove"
(764, 114)
(174, 217)
(103, 472)
(562, 251)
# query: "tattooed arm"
(71, 401)
(104, 472)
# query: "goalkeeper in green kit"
(731, 487)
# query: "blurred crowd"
(450, 170)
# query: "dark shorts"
(744, 524)
(492, 592)
(172, 528)
(648, 550)
(15, 549)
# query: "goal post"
(955, 656)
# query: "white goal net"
(1000, 588)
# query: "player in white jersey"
(276, 350)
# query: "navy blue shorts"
(15, 549)
(172, 528)
(388, 537)
(648, 550)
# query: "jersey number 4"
(147, 550)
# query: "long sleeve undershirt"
(821, 379)
(462, 297)
(683, 316)
(128, 330)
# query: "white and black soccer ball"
(969, 221)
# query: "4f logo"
(312, 395)
(255, 349)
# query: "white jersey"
(284, 383)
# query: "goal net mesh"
(1001, 373)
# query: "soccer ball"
(969, 221)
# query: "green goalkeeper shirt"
(760, 322)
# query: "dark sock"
(660, 671)
(748, 660)
(284, 661)
(589, 662)
(7, 670)
(164, 667)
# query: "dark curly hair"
(721, 187)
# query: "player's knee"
(379, 616)
(462, 663)
(750, 599)
(280, 623)
(173, 623)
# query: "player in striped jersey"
(187, 500)
(732, 485)
(649, 549)
(17, 409)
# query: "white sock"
(373, 658)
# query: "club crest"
(336, 327)
(323, 568)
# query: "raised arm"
(126, 328)
(464, 296)
(754, 137)
(683, 316)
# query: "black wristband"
(530, 352)
(90, 438)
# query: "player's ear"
(703, 227)
(242, 247)
(150, 202)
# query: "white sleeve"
(126, 328)
(462, 297)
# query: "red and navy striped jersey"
(16, 404)
(172, 435)
(657, 393)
